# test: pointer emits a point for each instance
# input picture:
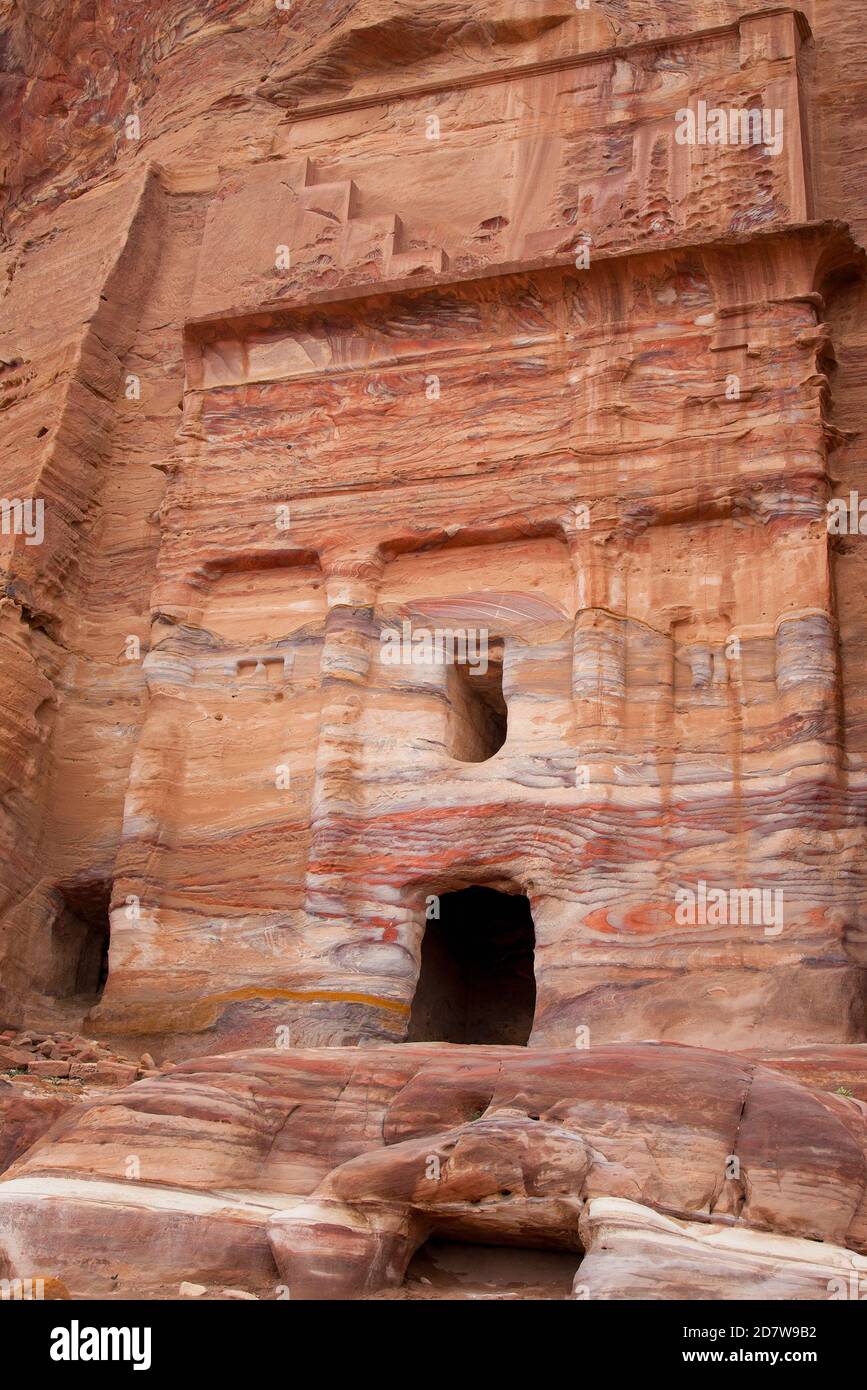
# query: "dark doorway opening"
(476, 983)
(80, 937)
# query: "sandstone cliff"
(328, 333)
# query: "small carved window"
(478, 716)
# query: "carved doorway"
(476, 983)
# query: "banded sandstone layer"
(324, 322)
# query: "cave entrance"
(476, 983)
(79, 945)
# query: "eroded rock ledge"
(325, 1171)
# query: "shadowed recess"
(476, 983)
(478, 718)
(80, 938)
(445, 1269)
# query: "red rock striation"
(432, 652)
(323, 1171)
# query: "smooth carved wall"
(669, 653)
(431, 415)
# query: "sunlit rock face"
(432, 639)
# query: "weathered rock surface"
(634, 1253)
(324, 1171)
(25, 1115)
(209, 601)
(335, 325)
(42, 1075)
(842, 1070)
